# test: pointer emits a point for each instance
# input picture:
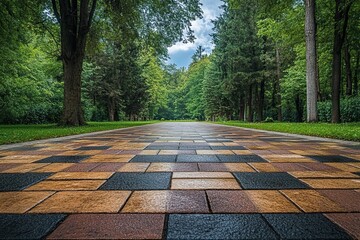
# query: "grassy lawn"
(344, 131)
(23, 133)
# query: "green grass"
(344, 131)
(23, 133)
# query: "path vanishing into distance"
(180, 180)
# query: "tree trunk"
(73, 114)
(311, 61)
(299, 108)
(111, 109)
(241, 109)
(341, 15)
(75, 24)
(356, 76)
(348, 70)
(277, 85)
(250, 116)
(261, 100)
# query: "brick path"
(181, 180)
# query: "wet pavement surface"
(181, 181)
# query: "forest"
(72, 61)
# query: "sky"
(180, 53)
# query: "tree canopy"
(105, 60)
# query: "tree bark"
(311, 61)
(277, 85)
(341, 19)
(347, 57)
(241, 109)
(111, 109)
(250, 116)
(299, 108)
(356, 75)
(261, 100)
(73, 114)
(74, 23)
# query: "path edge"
(58, 139)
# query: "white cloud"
(202, 29)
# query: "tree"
(311, 61)
(341, 18)
(161, 22)
(75, 22)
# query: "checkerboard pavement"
(181, 181)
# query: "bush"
(349, 110)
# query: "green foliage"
(349, 108)
(257, 45)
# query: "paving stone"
(272, 180)
(80, 175)
(194, 147)
(63, 185)
(348, 221)
(64, 159)
(322, 174)
(228, 148)
(264, 167)
(134, 167)
(81, 167)
(344, 166)
(333, 183)
(83, 202)
(108, 167)
(318, 166)
(54, 167)
(243, 152)
(138, 181)
(270, 201)
(202, 175)
(20, 202)
(218, 226)
(204, 184)
(213, 167)
(224, 201)
(23, 168)
(156, 158)
(111, 226)
(147, 152)
(19, 181)
(93, 148)
(312, 201)
(238, 167)
(197, 158)
(287, 167)
(348, 199)
(305, 226)
(177, 152)
(6, 166)
(214, 152)
(162, 147)
(29, 226)
(25, 148)
(240, 158)
(332, 158)
(167, 202)
(172, 167)
(108, 158)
